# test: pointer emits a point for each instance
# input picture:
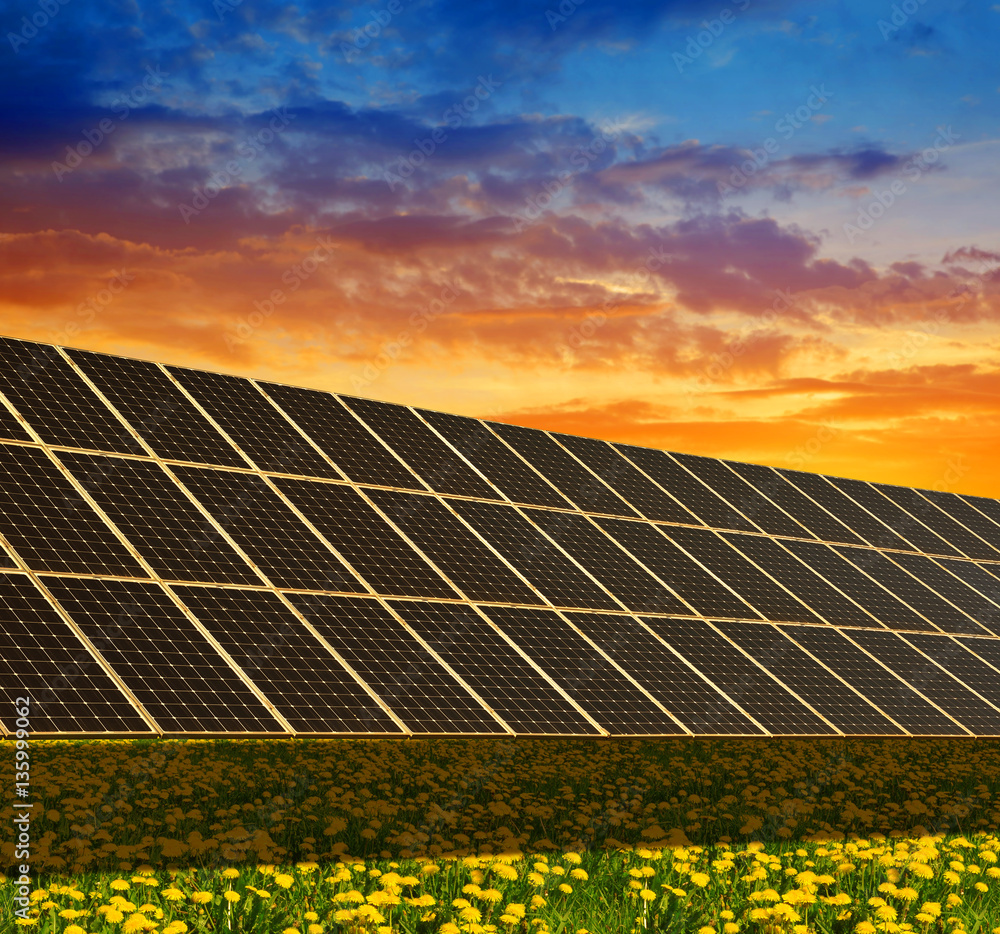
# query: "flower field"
(510, 835)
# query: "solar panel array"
(191, 553)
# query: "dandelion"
(284, 880)
(201, 898)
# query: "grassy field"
(510, 835)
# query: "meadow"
(510, 835)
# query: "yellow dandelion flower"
(449, 927)
(491, 895)
(230, 873)
(231, 896)
(69, 914)
(471, 913)
(730, 927)
(315, 929)
(572, 857)
(981, 887)
(565, 888)
(700, 879)
(953, 900)
(931, 908)
(201, 898)
(74, 929)
(537, 901)
(647, 895)
(516, 909)
(579, 874)
(284, 880)
(120, 885)
(291, 931)
(172, 894)
(111, 914)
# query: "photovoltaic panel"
(793, 501)
(508, 472)
(728, 484)
(988, 507)
(684, 692)
(57, 402)
(901, 522)
(274, 538)
(161, 657)
(631, 484)
(908, 588)
(756, 691)
(557, 578)
(986, 649)
(368, 543)
(347, 442)
(940, 522)
(690, 581)
(828, 695)
(505, 680)
(162, 524)
(839, 504)
(11, 428)
(260, 430)
(615, 569)
(583, 672)
(157, 410)
(726, 563)
(50, 525)
(571, 478)
(875, 682)
(934, 683)
(394, 664)
(286, 662)
(963, 659)
(959, 510)
(42, 658)
(707, 506)
(979, 579)
(463, 558)
(799, 578)
(6, 561)
(431, 459)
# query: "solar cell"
(831, 605)
(877, 683)
(667, 677)
(840, 505)
(500, 675)
(828, 695)
(395, 665)
(790, 498)
(6, 561)
(586, 490)
(261, 431)
(725, 562)
(583, 672)
(274, 538)
(940, 522)
(988, 507)
(42, 658)
(162, 524)
(463, 558)
(50, 525)
(286, 662)
(161, 657)
(690, 581)
(11, 428)
(756, 691)
(631, 484)
(157, 409)
(430, 458)
(508, 472)
(706, 505)
(963, 657)
(979, 579)
(55, 401)
(632, 584)
(986, 649)
(959, 510)
(344, 439)
(557, 578)
(933, 682)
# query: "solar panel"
(464, 559)
(988, 507)
(959, 510)
(631, 484)
(873, 680)
(665, 675)
(507, 471)
(396, 665)
(844, 707)
(430, 458)
(750, 503)
(274, 538)
(979, 579)
(50, 525)
(689, 580)
(583, 672)
(557, 578)
(42, 658)
(161, 657)
(768, 701)
(162, 524)
(725, 562)
(520, 695)
(157, 410)
(260, 430)
(963, 658)
(302, 679)
(585, 489)
(56, 402)
(633, 585)
(11, 428)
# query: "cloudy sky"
(766, 230)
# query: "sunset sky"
(766, 230)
